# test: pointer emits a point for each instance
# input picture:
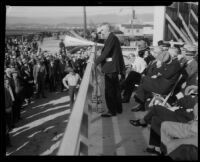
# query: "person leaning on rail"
(112, 65)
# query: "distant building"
(136, 29)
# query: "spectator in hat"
(168, 71)
(8, 103)
(39, 74)
(62, 64)
(19, 95)
(165, 46)
(71, 81)
(62, 47)
(28, 82)
(52, 72)
(8, 111)
(152, 65)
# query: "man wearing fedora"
(167, 74)
(62, 47)
(113, 67)
(39, 74)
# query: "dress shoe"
(108, 115)
(138, 108)
(137, 123)
(37, 97)
(125, 100)
(153, 151)
(119, 112)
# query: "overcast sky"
(73, 11)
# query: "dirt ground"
(42, 126)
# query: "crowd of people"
(162, 70)
(150, 70)
(30, 72)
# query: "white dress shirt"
(139, 64)
(72, 79)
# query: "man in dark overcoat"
(39, 74)
(112, 63)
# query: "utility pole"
(133, 17)
(85, 22)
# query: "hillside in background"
(78, 20)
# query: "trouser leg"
(42, 88)
(112, 93)
(37, 89)
(71, 95)
(9, 120)
(132, 79)
(155, 131)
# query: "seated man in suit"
(167, 74)
(139, 69)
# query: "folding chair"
(162, 99)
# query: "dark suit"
(19, 96)
(39, 74)
(112, 49)
(52, 72)
(162, 84)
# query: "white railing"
(75, 139)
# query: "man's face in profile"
(105, 31)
